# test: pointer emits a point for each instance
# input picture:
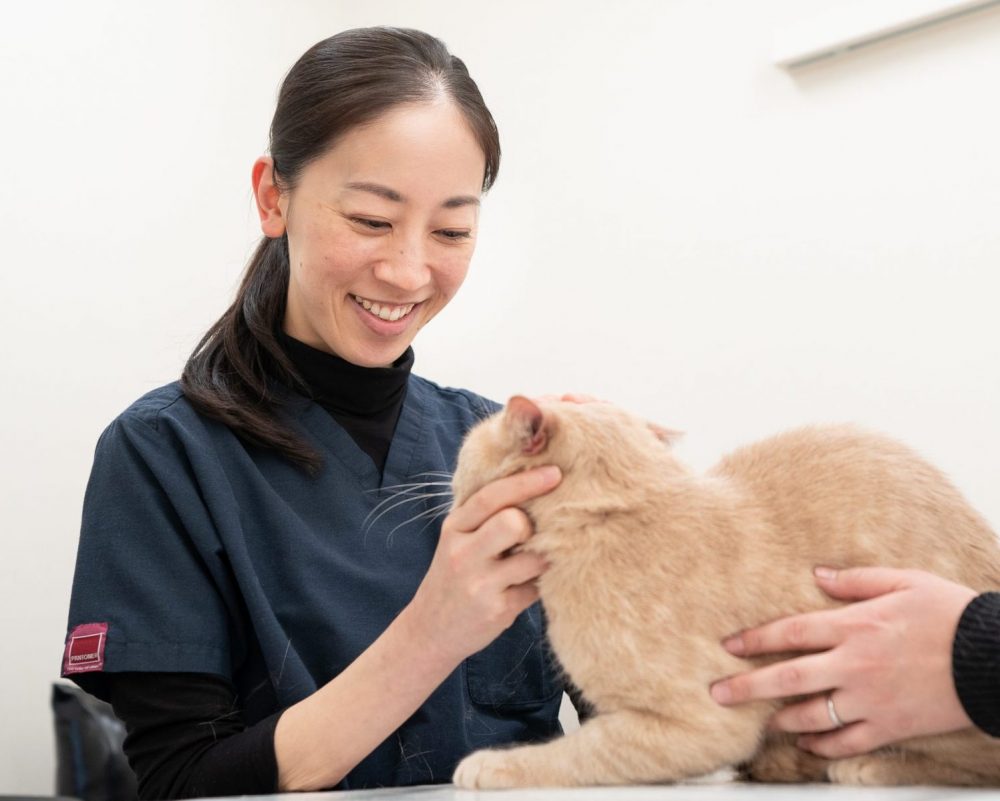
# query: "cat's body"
(652, 566)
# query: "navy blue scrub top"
(200, 553)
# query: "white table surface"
(726, 791)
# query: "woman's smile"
(384, 319)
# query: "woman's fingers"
(580, 397)
(568, 397)
(862, 583)
(520, 569)
(509, 491)
(521, 597)
(852, 740)
(814, 715)
(813, 631)
(508, 528)
(802, 676)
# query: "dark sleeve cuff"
(976, 661)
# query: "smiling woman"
(236, 598)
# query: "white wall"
(679, 227)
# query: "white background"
(678, 226)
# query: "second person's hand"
(878, 671)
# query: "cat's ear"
(667, 436)
(528, 422)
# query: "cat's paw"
(488, 770)
(868, 769)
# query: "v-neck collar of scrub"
(335, 442)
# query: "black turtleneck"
(173, 753)
(365, 401)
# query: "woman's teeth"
(390, 313)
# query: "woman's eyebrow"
(391, 194)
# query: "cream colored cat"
(652, 566)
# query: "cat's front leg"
(552, 764)
(622, 747)
(495, 769)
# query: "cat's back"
(817, 454)
(863, 497)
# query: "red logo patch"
(85, 648)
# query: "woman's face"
(380, 231)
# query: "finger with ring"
(809, 716)
(831, 711)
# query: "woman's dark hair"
(338, 84)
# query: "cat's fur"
(652, 566)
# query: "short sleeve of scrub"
(149, 593)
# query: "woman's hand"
(569, 397)
(476, 586)
(473, 590)
(884, 662)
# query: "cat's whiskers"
(432, 514)
(410, 484)
(408, 493)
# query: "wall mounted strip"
(850, 28)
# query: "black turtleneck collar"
(365, 401)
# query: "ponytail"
(228, 377)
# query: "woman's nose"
(405, 267)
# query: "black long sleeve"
(186, 737)
(976, 661)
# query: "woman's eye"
(449, 234)
(375, 225)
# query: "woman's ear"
(268, 197)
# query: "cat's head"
(598, 444)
